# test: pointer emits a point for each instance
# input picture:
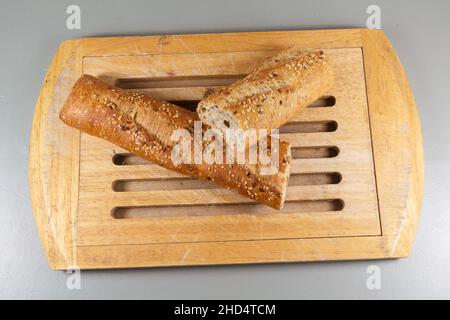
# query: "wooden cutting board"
(357, 174)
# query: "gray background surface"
(30, 32)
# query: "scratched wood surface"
(353, 194)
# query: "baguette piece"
(143, 125)
(271, 94)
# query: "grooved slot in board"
(301, 206)
(309, 127)
(178, 82)
(314, 152)
(325, 101)
(126, 159)
(187, 183)
(190, 105)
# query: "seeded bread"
(271, 94)
(143, 125)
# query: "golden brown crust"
(272, 93)
(143, 126)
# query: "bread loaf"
(271, 94)
(143, 125)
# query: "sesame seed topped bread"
(271, 94)
(143, 125)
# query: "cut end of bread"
(217, 118)
(286, 174)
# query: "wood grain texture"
(397, 143)
(70, 199)
(54, 162)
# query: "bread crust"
(272, 93)
(143, 125)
